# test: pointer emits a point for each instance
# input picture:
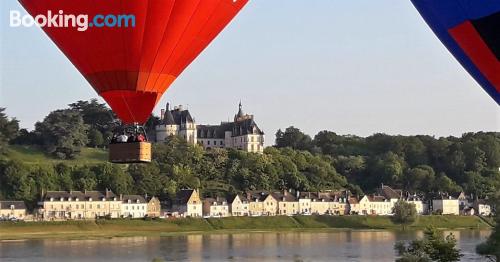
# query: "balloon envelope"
(131, 67)
(470, 29)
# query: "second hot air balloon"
(470, 29)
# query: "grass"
(32, 155)
(124, 227)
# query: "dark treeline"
(415, 163)
(421, 164)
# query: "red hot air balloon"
(132, 66)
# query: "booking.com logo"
(80, 22)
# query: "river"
(353, 245)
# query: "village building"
(446, 205)
(215, 207)
(482, 208)
(12, 209)
(188, 203)
(154, 207)
(379, 205)
(393, 195)
(420, 206)
(239, 206)
(353, 206)
(262, 204)
(243, 133)
(133, 206)
(323, 203)
(305, 203)
(56, 205)
(288, 205)
(338, 206)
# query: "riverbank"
(124, 228)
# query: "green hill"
(32, 155)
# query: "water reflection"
(290, 246)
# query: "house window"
(208, 142)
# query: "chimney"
(168, 107)
(162, 114)
(121, 197)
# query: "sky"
(352, 67)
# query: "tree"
(434, 247)
(96, 115)
(96, 138)
(404, 213)
(294, 138)
(419, 178)
(63, 133)
(9, 129)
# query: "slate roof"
(134, 199)
(240, 128)
(17, 204)
(252, 196)
(353, 200)
(211, 201)
(82, 196)
(389, 193)
(374, 198)
(334, 196)
(284, 197)
(177, 116)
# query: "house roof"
(389, 193)
(257, 195)
(219, 201)
(65, 195)
(353, 200)
(17, 204)
(242, 198)
(134, 199)
(375, 198)
(284, 197)
(323, 196)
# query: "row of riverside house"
(62, 205)
(264, 203)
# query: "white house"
(215, 207)
(188, 203)
(446, 205)
(134, 206)
(239, 206)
